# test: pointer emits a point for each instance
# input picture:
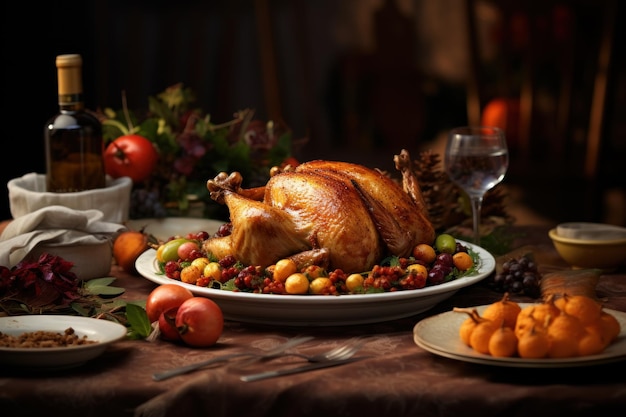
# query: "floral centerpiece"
(192, 149)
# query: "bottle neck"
(71, 102)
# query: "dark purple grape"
(444, 259)
(202, 235)
(516, 287)
(224, 230)
(509, 279)
(519, 276)
(436, 276)
(460, 248)
(227, 261)
(523, 262)
(195, 254)
(531, 284)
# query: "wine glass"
(476, 159)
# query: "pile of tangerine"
(565, 327)
(183, 259)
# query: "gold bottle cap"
(69, 60)
(69, 71)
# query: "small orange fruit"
(127, 247)
(546, 312)
(586, 309)
(479, 339)
(468, 325)
(190, 274)
(564, 333)
(425, 253)
(503, 312)
(590, 344)
(533, 344)
(284, 268)
(503, 343)
(610, 325)
(462, 261)
(606, 326)
(297, 283)
(525, 320)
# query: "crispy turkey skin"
(335, 214)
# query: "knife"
(300, 369)
(160, 376)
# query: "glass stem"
(477, 203)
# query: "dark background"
(214, 47)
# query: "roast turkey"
(335, 214)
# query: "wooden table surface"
(400, 379)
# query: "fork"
(336, 356)
(341, 352)
(277, 351)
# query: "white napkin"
(53, 226)
(28, 193)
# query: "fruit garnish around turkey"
(427, 266)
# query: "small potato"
(213, 271)
(283, 269)
(201, 263)
(190, 274)
(320, 285)
(354, 282)
(297, 283)
(417, 269)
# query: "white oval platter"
(320, 310)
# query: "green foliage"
(192, 149)
(499, 241)
(101, 286)
(138, 322)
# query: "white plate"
(320, 310)
(167, 227)
(440, 335)
(104, 332)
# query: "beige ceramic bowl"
(90, 261)
(590, 253)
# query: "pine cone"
(445, 201)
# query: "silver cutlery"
(160, 376)
(336, 356)
(300, 369)
(341, 352)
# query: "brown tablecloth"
(400, 380)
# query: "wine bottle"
(73, 137)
